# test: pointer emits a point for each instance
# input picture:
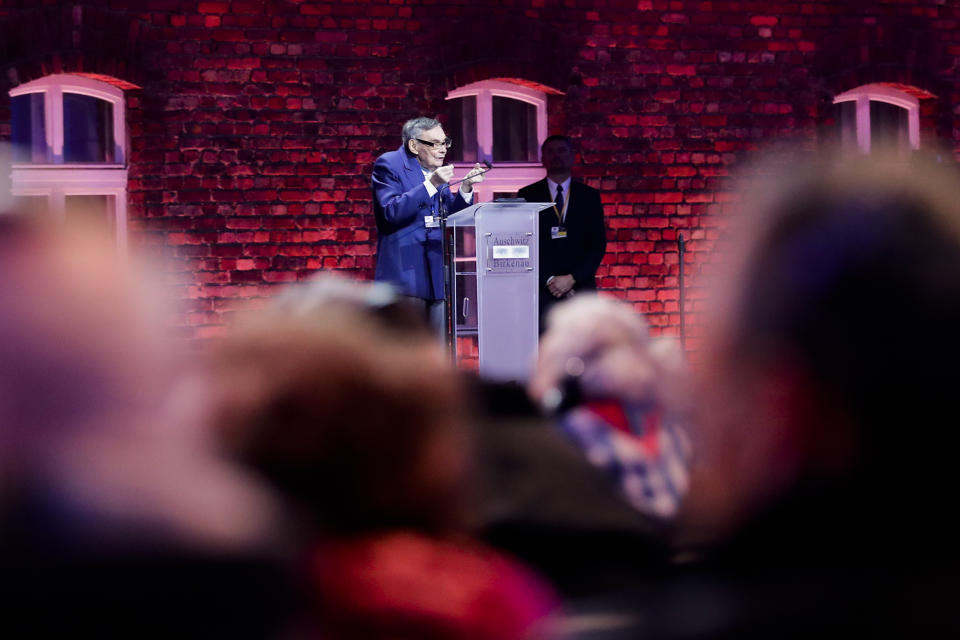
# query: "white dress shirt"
(432, 190)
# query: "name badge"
(558, 232)
(431, 222)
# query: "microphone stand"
(448, 246)
(446, 253)
(681, 250)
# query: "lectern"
(494, 250)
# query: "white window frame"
(58, 179)
(506, 176)
(863, 95)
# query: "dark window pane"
(87, 129)
(463, 129)
(514, 130)
(889, 128)
(847, 121)
(28, 127)
(91, 211)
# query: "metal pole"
(448, 250)
(451, 271)
(682, 248)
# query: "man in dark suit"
(409, 196)
(572, 235)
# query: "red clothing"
(613, 413)
(408, 585)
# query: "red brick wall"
(256, 123)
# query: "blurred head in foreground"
(112, 503)
(823, 375)
(605, 346)
(349, 406)
(379, 303)
(86, 371)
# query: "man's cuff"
(550, 279)
(467, 196)
(431, 190)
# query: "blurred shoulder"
(532, 188)
(576, 185)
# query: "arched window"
(503, 122)
(879, 116)
(69, 156)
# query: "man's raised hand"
(475, 176)
(442, 175)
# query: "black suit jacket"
(580, 253)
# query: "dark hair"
(338, 421)
(558, 137)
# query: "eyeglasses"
(433, 145)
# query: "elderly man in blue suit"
(410, 193)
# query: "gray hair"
(416, 126)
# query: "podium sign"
(495, 252)
(508, 253)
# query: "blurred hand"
(561, 285)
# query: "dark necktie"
(559, 200)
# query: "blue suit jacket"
(409, 254)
